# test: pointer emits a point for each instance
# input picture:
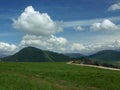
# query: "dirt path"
(95, 66)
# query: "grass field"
(56, 76)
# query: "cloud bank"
(62, 45)
(52, 43)
(93, 48)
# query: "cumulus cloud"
(114, 7)
(104, 25)
(36, 23)
(57, 43)
(7, 49)
(78, 28)
(52, 43)
(115, 45)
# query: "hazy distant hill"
(31, 54)
(1, 55)
(106, 55)
(74, 55)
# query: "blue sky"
(84, 26)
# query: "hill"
(74, 55)
(106, 55)
(31, 54)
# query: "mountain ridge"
(108, 55)
(74, 55)
(32, 54)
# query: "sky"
(64, 26)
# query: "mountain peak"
(32, 54)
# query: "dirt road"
(95, 66)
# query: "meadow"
(56, 76)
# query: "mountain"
(31, 54)
(74, 55)
(106, 55)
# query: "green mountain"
(106, 55)
(31, 54)
(74, 55)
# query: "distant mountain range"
(1, 55)
(106, 58)
(74, 55)
(106, 55)
(101, 56)
(31, 54)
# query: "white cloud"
(32, 40)
(114, 7)
(115, 45)
(104, 25)
(57, 42)
(78, 28)
(52, 43)
(7, 49)
(36, 23)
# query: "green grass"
(56, 76)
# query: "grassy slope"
(56, 76)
